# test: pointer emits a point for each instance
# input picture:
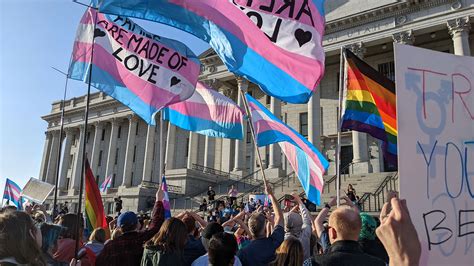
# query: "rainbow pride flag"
(95, 215)
(307, 162)
(275, 44)
(209, 113)
(144, 71)
(166, 199)
(370, 104)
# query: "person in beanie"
(127, 249)
(299, 225)
(368, 239)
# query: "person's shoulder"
(338, 258)
(201, 261)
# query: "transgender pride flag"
(307, 162)
(12, 193)
(106, 184)
(207, 112)
(166, 199)
(143, 71)
(276, 44)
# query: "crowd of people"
(255, 234)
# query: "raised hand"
(160, 195)
(398, 234)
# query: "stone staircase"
(371, 188)
(244, 185)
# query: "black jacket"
(347, 252)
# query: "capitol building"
(120, 144)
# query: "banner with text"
(435, 105)
(36, 190)
(144, 71)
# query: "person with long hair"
(167, 246)
(64, 253)
(290, 253)
(20, 240)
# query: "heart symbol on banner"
(303, 36)
(174, 81)
(98, 33)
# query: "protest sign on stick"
(36, 190)
(435, 105)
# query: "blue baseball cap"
(127, 218)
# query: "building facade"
(120, 144)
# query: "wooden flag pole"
(86, 118)
(339, 123)
(56, 181)
(252, 130)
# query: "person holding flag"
(166, 199)
(128, 248)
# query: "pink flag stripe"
(301, 67)
(314, 163)
(12, 194)
(269, 125)
(14, 189)
(285, 13)
(213, 112)
(189, 72)
(290, 151)
(144, 90)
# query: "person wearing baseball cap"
(127, 249)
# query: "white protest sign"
(435, 110)
(37, 190)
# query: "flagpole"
(86, 118)
(338, 148)
(56, 181)
(163, 146)
(252, 131)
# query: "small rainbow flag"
(166, 199)
(95, 215)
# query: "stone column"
(404, 37)
(170, 147)
(459, 30)
(275, 151)
(314, 118)
(192, 149)
(209, 152)
(239, 155)
(66, 161)
(274, 157)
(359, 139)
(78, 162)
(96, 146)
(46, 154)
(148, 161)
(53, 158)
(127, 169)
(109, 170)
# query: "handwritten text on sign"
(435, 105)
